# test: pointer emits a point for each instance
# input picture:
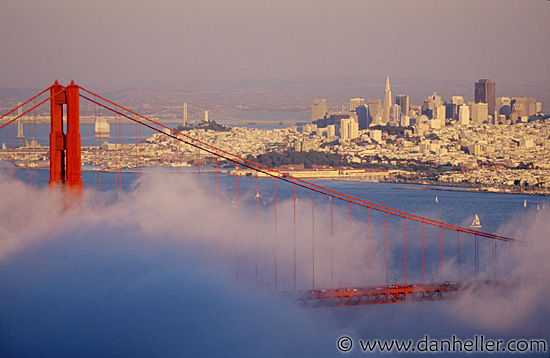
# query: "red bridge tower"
(65, 161)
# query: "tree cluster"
(308, 159)
(210, 125)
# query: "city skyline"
(484, 108)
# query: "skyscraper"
(318, 109)
(395, 115)
(349, 129)
(479, 113)
(387, 103)
(375, 109)
(403, 102)
(430, 104)
(458, 100)
(463, 115)
(362, 116)
(354, 103)
(484, 92)
(451, 110)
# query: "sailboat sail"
(476, 222)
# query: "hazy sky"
(129, 41)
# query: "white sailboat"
(525, 203)
(436, 200)
(476, 222)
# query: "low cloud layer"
(169, 270)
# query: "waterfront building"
(102, 128)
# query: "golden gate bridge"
(65, 170)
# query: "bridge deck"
(353, 296)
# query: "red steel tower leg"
(57, 138)
(65, 160)
(74, 164)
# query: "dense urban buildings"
(439, 141)
(469, 136)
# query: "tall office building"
(375, 109)
(354, 103)
(504, 106)
(387, 103)
(439, 114)
(430, 104)
(529, 106)
(479, 113)
(484, 92)
(458, 100)
(395, 115)
(463, 115)
(403, 102)
(331, 131)
(362, 116)
(349, 129)
(451, 110)
(318, 109)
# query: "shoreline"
(487, 190)
(442, 186)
